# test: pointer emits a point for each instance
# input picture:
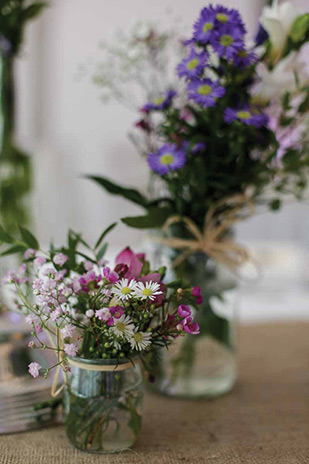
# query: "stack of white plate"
(19, 392)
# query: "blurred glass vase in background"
(15, 165)
(204, 365)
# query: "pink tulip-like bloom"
(190, 326)
(196, 291)
(34, 369)
(70, 349)
(111, 276)
(184, 311)
(60, 259)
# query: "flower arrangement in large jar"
(233, 139)
(102, 323)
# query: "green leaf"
(155, 218)
(104, 233)
(300, 28)
(33, 10)
(4, 237)
(13, 250)
(29, 239)
(102, 251)
(128, 193)
(179, 283)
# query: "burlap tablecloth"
(264, 420)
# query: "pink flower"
(38, 329)
(38, 262)
(76, 286)
(89, 280)
(60, 259)
(70, 349)
(88, 265)
(104, 315)
(132, 260)
(116, 311)
(190, 326)
(34, 369)
(22, 269)
(31, 319)
(111, 276)
(54, 315)
(196, 291)
(30, 253)
(31, 344)
(184, 311)
(68, 331)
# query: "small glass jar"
(203, 365)
(103, 405)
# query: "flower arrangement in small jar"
(100, 322)
(231, 136)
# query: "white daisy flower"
(149, 290)
(140, 340)
(124, 289)
(123, 327)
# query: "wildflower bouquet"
(98, 316)
(233, 138)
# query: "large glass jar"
(203, 365)
(103, 405)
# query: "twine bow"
(218, 220)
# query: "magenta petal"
(135, 268)
(154, 277)
(125, 257)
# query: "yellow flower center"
(167, 159)
(226, 40)
(147, 292)
(126, 290)
(138, 337)
(121, 326)
(208, 27)
(204, 89)
(242, 54)
(244, 115)
(192, 64)
(158, 101)
(222, 17)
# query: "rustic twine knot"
(212, 239)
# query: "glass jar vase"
(203, 365)
(103, 405)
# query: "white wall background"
(70, 132)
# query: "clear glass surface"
(103, 410)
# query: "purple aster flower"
(205, 92)
(244, 58)
(161, 103)
(229, 41)
(168, 158)
(205, 25)
(193, 65)
(211, 21)
(198, 147)
(224, 15)
(249, 116)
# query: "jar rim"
(104, 362)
